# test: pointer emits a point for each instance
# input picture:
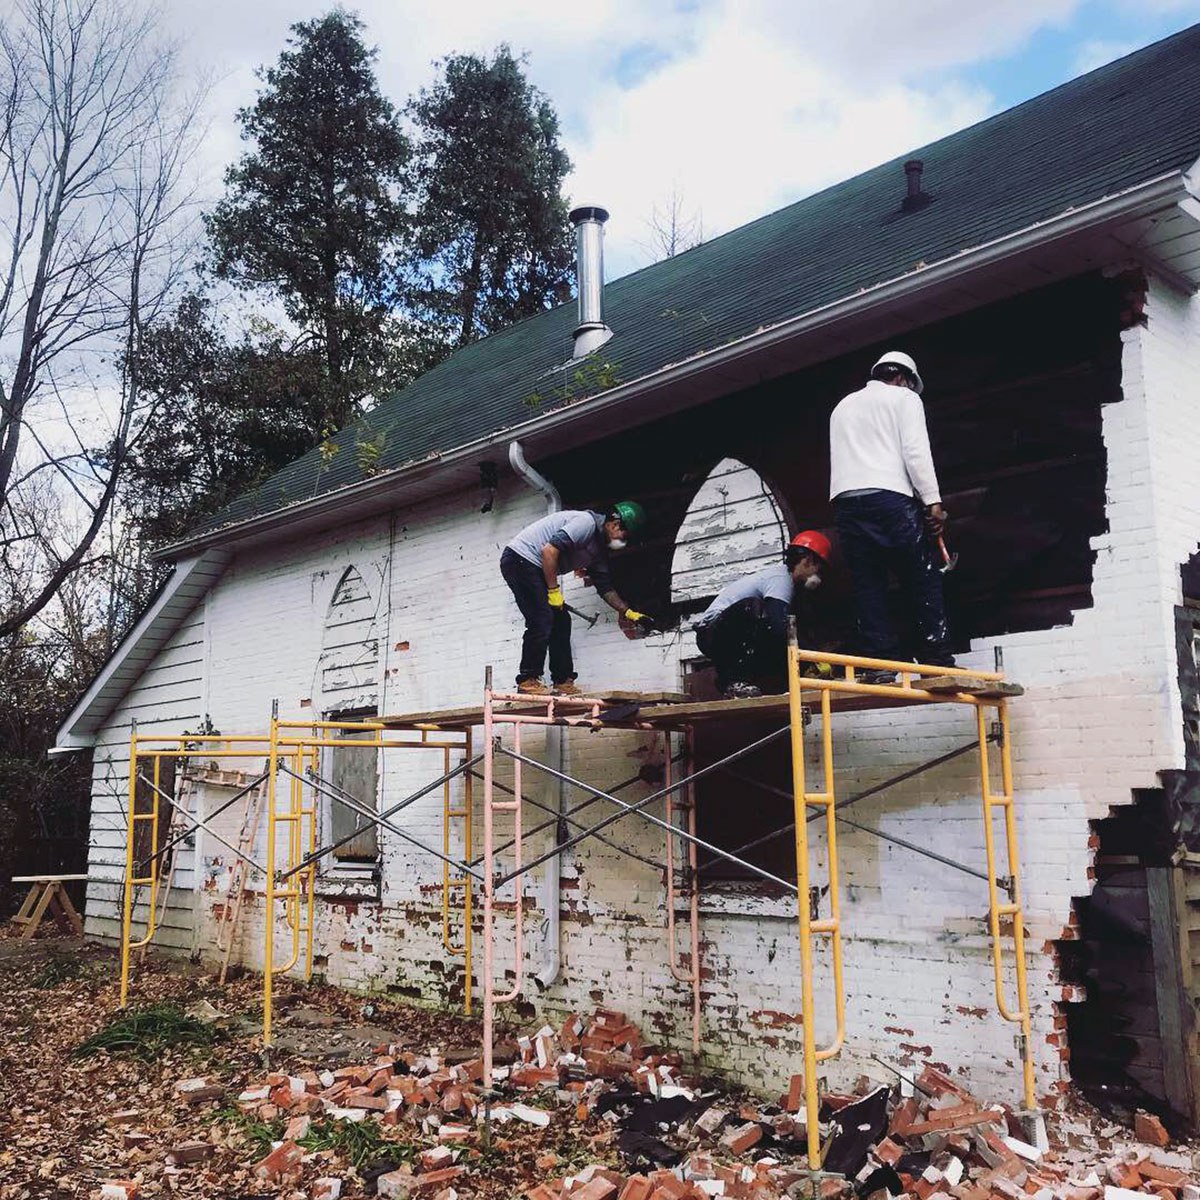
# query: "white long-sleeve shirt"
(878, 439)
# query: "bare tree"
(673, 228)
(95, 221)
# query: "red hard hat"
(818, 543)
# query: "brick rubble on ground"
(678, 1142)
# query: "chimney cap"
(588, 212)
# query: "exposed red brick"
(889, 1152)
(285, 1156)
(436, 1157)
(637, 1187)
(1173, 1178)
(935, 1082)
(667, 1186)
(1148, 1128)
(904, 1116)
(432, 1180)
(119, 1189)
(597, 1188)
(297, 1128)
(1124, 1175)
(189, 1152)
(964, 1117)
(739, 1139)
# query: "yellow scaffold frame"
(156, 747)
(290, 748)
(844, 680)
(311, 738)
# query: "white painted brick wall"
(1100, 718)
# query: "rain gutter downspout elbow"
(556, 750)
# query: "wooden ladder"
(232, 908)
(181, 803)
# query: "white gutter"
(1164, 189)
(556, 752)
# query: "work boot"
(741, 691)
(567, 688)
(532, 687)
(879, 678)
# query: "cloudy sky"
(738, 106)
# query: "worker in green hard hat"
(577, 540)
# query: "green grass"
(148, 1031)
(359, 1142)
(261, 1134)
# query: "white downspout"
(556, 752)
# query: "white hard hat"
(900, 359)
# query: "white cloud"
(1096, 53)
(742, 105)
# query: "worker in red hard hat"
(744, 630)
(889, 512)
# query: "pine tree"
(313, 211)
(490, 218)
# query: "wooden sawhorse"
(46, 893)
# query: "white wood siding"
(167, 699)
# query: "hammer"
(581, 615)
(949, 561)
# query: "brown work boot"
(567, 688)
(532, 687)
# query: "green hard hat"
(632, 514)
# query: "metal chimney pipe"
(591, 332)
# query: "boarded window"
(746, 808)
(355, 773)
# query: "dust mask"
(813, 581)
(617, 544)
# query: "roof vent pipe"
(916, 196)
(591, 332)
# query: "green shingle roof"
(1109, 130)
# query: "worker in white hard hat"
(889, 511)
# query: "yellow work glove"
(633, 615)
(555, 596)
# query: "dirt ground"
(65, 1119)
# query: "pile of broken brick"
(925, 1139)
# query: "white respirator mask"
(813, 581)
(617, 544)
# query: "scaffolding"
(820, 686)
(294, 787)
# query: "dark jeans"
(883, 533)
(742, 648)
(545, 627)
